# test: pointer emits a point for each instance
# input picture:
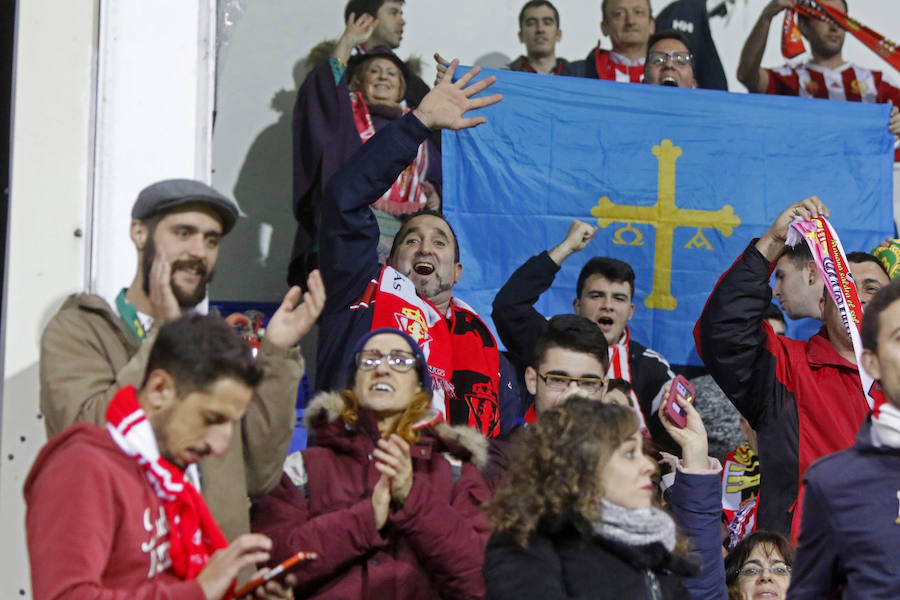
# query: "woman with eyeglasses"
(389, 497)
(759, 566)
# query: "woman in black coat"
(575, 516)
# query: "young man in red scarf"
(414, 291)
(116, 512)
(605, 296)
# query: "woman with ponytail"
(388, 497)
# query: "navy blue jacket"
(696, 504)
(348, 253)
(850, 533)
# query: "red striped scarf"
(792, 45)
(405, 195)
(611, 70)
(463, 359)
(829, 255)
(619, 368)
(193, 533)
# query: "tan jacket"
(88, 353)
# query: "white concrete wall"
(107, 97)
(256, 89)
(50, 193)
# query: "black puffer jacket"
(564, 559)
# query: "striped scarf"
(619, 368)
(193, 533)
(828, 253)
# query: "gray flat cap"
(163, 196)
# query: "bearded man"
(92, 348)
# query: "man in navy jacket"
(851, 508)
(425, 256)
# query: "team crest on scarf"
(412, 322)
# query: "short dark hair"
(575, 333)
(536, 4)
(773, 312)
(612, 269)
(422, 213)
(198, 350)
(799, 254)
(871, 323)
(669, 34)
(863, 257)
(605, 2)
(738, 555)
(617, 383)
(365, 7)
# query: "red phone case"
(680, 387)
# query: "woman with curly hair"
(388, 499)
(575, 517)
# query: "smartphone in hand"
(680, 388)
(278, 573)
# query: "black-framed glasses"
(399, 360)
(557, 383)
(681, 59)
(754, 571)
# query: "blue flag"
(678, 181)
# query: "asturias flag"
(678, 180)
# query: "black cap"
(163, 196)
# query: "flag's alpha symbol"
(665, 217)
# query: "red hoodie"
(96, 529)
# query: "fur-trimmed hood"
(324, 413)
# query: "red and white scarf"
(613, 70)
(792, 44)
(462, 356)
(828, 253)
(405, 195)
(619, 368)
(193, 533)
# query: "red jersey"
(849, 82)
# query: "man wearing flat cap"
(92, 348)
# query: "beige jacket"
(88, 353)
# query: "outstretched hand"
(292, 321)
(692, 437)
(359, 30)
(444, 107)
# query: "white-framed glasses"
(398, 360)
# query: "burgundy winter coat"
(431, 547)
